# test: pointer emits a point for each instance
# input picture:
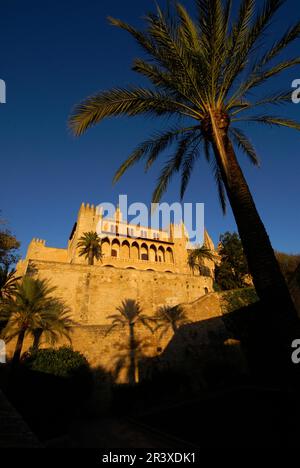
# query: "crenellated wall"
(38, 250)
(123, 245)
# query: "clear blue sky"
(53, 54)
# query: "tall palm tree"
(31, 309)
(169, 318)
(205, 73)
(8, 282)
(90, 246)
(129, 314)
(198, 255)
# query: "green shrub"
(62, 362)
(238, 298)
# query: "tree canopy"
(232, 272)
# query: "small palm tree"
(129, 314)
(33, 309)
(169, 318)
(56, 324)
(90, 246)
(205, 72)
(197, 256)
(8, 282)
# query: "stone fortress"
(148, 265)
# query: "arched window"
(152, 253)
(134, 251)
(105, 247)
(125, 249)
(169, 255)
(144, 252)
(115, 248)
(161, 254)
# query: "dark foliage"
(49, 389)
(62, 362)
(236, 299)
(232, 271)
(9, 246)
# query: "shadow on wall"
(204, 352)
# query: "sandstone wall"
(94, 292)
(110, 350)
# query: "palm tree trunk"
(37, 338)
(132, 360)
(280, 321)
(91, 258)
(19, 346)
(263, 266)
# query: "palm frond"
(271, 120)
(258, 78)
(244, 144)
(153, 147)
(141, 38)
(236, 50)
(275, 99)
(220, 185)
(124, 101)
(188, 164)
(188, 29)
(248, 35)
(173, 165)
(174, 56)
(288, 38)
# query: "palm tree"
(8, 282)
(198, 255)
(33, 310)
(90, 244)
(205, 72)
(129, 314)
(169, 318)
(56, 324)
